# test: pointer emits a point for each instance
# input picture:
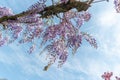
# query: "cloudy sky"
(87, 64)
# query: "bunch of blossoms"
(4, 12)
(58, 39)
(117, 5)
(25, 28)
(66, 35)
(108, 75)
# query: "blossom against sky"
(87, 64)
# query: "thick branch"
(61, 8)
(51, 10)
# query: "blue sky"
(87, 64)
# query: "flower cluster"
(74, 41)
(50, 32)
(57, 50)
(28, 27)
(31, 32)
(58, 38)
(108, 75)
(5, 11)
(117, 5)
(79, 17)
(15, 29)
(3, 40)
(89, 38)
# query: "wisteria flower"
(90, 39)
(117, 5)
(5, 11)
(57, 50)
(59, 37)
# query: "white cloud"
(107, 19)
(109, 41)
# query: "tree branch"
(51, 10)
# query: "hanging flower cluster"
(57, 38)
(117, 5)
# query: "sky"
(87, 64)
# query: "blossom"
(79, 17)
(107, 75)
(57, 50)
(74, 41)
(31, 49)
(15, 29)
(61, 37)
(90, 39)
(117, 5)
(3, 41)
(37, 7)
(50, 32)
(117, 78)
(5, 11)
(85, 16)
